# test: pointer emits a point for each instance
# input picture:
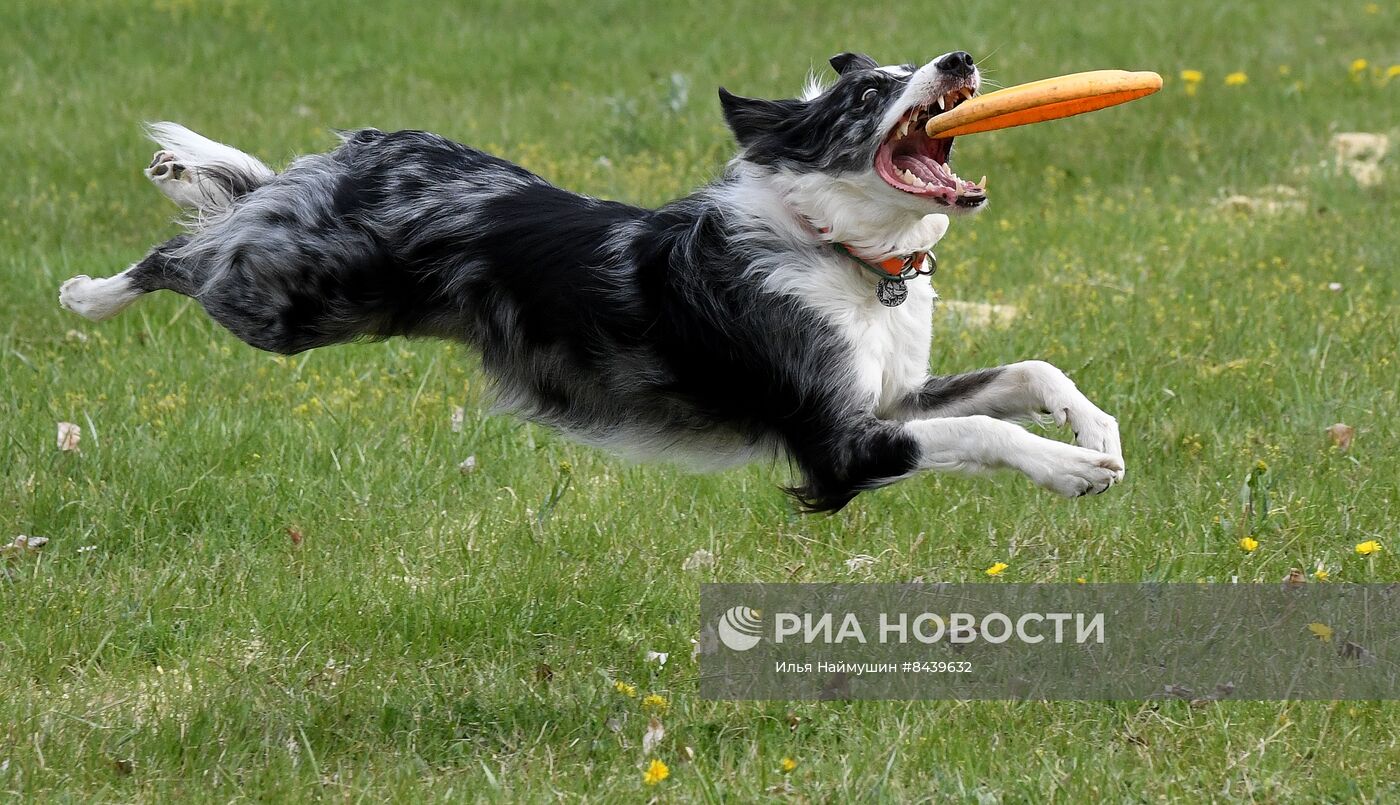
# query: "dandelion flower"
(788, 765)
(1372, 8)
(1249, 544)
(1368, 547)
(656, 772)
(995, 570)
(630, 691)
(656, 702)
(1358, 66)
(1392, 71)
(1081, 580)
(1236, 79)
(1192, 78)
(1321, 631)
(1321, 574)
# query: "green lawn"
(174, 642)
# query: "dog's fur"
(722, 327)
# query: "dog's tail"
(203, 175)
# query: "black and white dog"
(782, 310)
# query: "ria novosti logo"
(740, 628)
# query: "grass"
(434, 634)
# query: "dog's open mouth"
(912, 162)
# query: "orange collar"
(897, 266)
(892, 268)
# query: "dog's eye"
(868, 94)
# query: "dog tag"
(891, 292)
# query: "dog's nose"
(958, 63)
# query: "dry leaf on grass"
(859, 562)
(979, 315)
(468, 465)
(1354, 651)
(1341, 435)
(1360, 153)
(68, 436)
(699, 560)
(1271, 200)
(658, 657)
(706, 644)
(21, 546)
(459, 415)
(652, 737)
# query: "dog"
(783, 310)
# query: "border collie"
(783, 310)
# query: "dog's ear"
(750, 118)
(846, 62)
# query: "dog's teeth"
(983, 183)
(940, 102)
(908, 177)
(904, 128)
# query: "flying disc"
(1047, 99)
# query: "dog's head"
(865, 133)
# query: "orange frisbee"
(1047, 99)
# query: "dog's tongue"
(938, 178)
(928, 171)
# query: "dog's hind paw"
(97, 299)
(179, 182)
(165, 167)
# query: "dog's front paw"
(1073, 471)
(1095, 430)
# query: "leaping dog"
(783, 310)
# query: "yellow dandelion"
(1192, 78)
(1081, 580)
(1321, 574)
(656, 703)
(1249, 544)
(1368, 547)
(656, 772)
(1235, 79)
(788, 765)
(1321, 631)
(630, 691)
(1372, 8)
(995, 570)
(1392, 71)
(1284, 70)
(1358, 66)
